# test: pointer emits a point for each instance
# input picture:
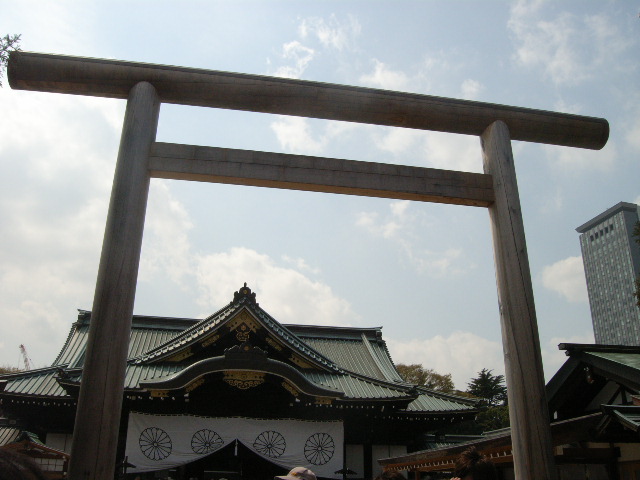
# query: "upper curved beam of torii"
(210, 88)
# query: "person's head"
(390, 475)
(298, 473)
(472, 465)
(14, 466)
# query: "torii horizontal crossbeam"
(210, 88)
(317, 174)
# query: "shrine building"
(239, 395)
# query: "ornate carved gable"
(241, 321)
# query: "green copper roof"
(627, 359)
(430, 401)
(243, 299)
(146, 334)
(354, 361)
(9, 435)
(356, 350)
(40, 383)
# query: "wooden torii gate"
(145, 86)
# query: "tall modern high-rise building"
(611, 260)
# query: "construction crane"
(25, 357)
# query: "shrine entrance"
(234, 462)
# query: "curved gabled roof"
(244, 300)
(347, 363)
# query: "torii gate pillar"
(100, 401)
(528, 409)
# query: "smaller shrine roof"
(8, 434)
(598, 370)
(627, 415)
(40, 383)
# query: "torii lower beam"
(317, 174)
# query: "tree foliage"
(489, 387)
(8, 44)
(426, 377)
(493, 418)
(8, 369)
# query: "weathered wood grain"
(528, 411)
(316, 174)
(95, 435)
(210, 88)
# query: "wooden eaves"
(497, 447)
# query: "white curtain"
(157, 442)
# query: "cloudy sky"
(422, 271)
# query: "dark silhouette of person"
(15, 466)
(472, 465)
(390, 475)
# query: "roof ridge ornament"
(245, 351)
(244, 295)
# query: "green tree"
(8, 44)
(493, 418)
(8, 369)
(489, 387)
(426, 377)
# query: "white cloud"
(396, 140)
(471, 89)
(291, 296)
(453, 152)
(633, 133)
(462, 354)
(553, 202)
(572, 160)
(553, 358)
(55, 175)
(568, 48)
(294, 135)
(383, 77)
(49, 25)
(166, 251)
(389, 227)
(286, 287)
(299, 57)
(331, 32)
(401, 228)
(304, 136)
(301, 264)
(369, 221)
(566, 277)
(431, 149)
